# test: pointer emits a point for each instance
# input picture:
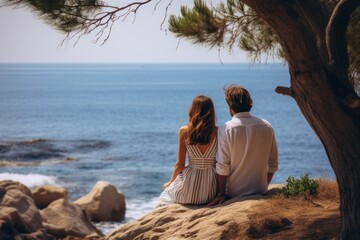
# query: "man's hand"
(218, 200)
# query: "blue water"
(75, 124)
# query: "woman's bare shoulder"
(184, 128)
(183, 131)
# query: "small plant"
(295, 187)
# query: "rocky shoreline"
(255, 217)
(46, 212)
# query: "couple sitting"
(236, 159)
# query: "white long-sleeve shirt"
(247, 151)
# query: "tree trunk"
(339, 133)
(319, 88)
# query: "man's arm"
(269, 177)
(222, 167)
(273, 160)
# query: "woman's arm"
(180, 163)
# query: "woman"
(194, 183)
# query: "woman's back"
(194, 182)
(197, 183)
(202, 158)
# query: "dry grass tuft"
(328, 190)
(264, 227)
(298, 217)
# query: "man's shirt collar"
(242, 115)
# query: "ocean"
(72, 125)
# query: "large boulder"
(251, 217)
(63, 218)
(104, 203)
(45, 195)
(18, 212)
(40, 234)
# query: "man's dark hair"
(238, 98)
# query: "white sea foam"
(29, 180)
(134, 209)
(138, 208)
(108, 227)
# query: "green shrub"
(295, 187)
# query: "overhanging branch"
(336, 37)
(77, 18)
(284, 91)
(105, 19)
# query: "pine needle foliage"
(231, 24)
(353, 36)
(199, 24)
(65, 15)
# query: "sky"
(27, 39)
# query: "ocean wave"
(30, 180)
(134, 210)
(138, 208)
(108, 227)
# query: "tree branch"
(104, 20)
(80, 16)
(336, 37)
(352, 103)
(284, 91)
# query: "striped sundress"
(197, 183)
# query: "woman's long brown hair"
(201, 120)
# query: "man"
(247, 156)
